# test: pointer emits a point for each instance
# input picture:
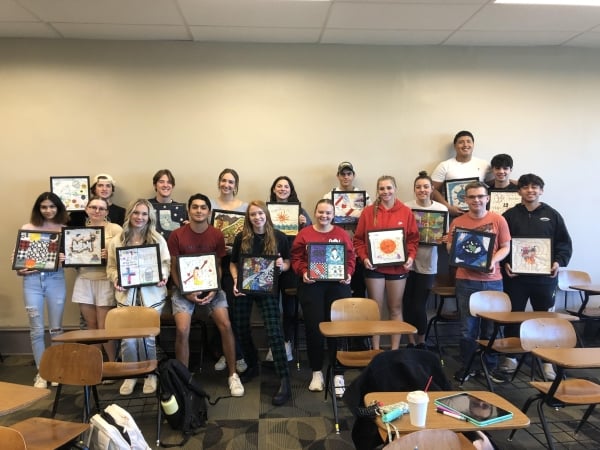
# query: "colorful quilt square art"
(37, 250)
(327, 261)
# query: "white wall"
(129, 109)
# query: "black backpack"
(190, 412)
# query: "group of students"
(185, 229)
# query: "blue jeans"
(48, 286)
(471, 327)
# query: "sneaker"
(289, 350)
(340, 386)
(241, 366)
(54, 384)
(235, 386)
(549, 372)
(106, 382)
(39, 382)
(498, 376)
(269, 356)
(508, 365)
(317, 383)
(150, 384)
(460, 372)
(221, 364)
(127, 386)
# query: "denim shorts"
(180, 304)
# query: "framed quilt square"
(432, 225)
(73, 191)
(500, 201)
(472, 249)
(348, 206)
(455, 192)
(138, 265)
(229, 222)
(37, 250)
(285, 217)
(169, 217)
(531, 255)
(258, 275)
(387, 247)
(327, 261)
(83, 246)
(198, 273)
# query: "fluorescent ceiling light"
(551, 2)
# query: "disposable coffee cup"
(417, 407)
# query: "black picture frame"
(472, 249)
(229, 222)
(73, 191)
(258, 275)
(432, 225)
(387, 247)
(455, 192)
(139, 265)
(285, 216)
(37, 250)
(531, 255)
(198, 273)
(83, 246)
(348, 206)
(327, 261)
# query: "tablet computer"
(473, 409)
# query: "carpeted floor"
(305, 422)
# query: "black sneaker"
(498, 376)
(458, 375)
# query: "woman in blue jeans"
(50, 215)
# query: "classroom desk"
(14, 397)
(440, 421)
(500, 319)
(588, 290)
(104, 335)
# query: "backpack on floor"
(115, 429)
(183, 401)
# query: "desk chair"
(567, 277)
(353, 308)
(556, 333)
(493, 301)
(40, 433)
(427, 439)
(443, 288)
(125, 317)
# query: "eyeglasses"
(476, 197)
(97, 208)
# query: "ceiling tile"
(514, 38)
(123, 32)
(589, 39)
(383, 37)
(11, 11)
(255, 34)
(27, 30)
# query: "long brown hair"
(270, 244)
(378, 200)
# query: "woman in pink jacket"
(387, 281)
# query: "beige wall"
(127, 108)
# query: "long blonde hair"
(149, 232)
(270, 244)
(378, 199)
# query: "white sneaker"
(241, 366)
(127, 386)
(39, 382)
(269, 356)
(235, 386)
(150, 384)
(54, 384)
(508, 365)
(289, 350)
(549, 372)
(317, 383)
(340, 386)
(221, 364)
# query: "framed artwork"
(229, 222)
(387, 247)
(198, 273)
(531, 255)
(37, 250)
(257, 275)
(138, 265)
(83, 246)
(327, 261)
(169, 217)
(455, 192)
(285, 217)
(73, 191)
(348, 206)
(472, 249)
(500, 201)
(432, 225)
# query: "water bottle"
(170, 406)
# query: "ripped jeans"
(37, 287)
